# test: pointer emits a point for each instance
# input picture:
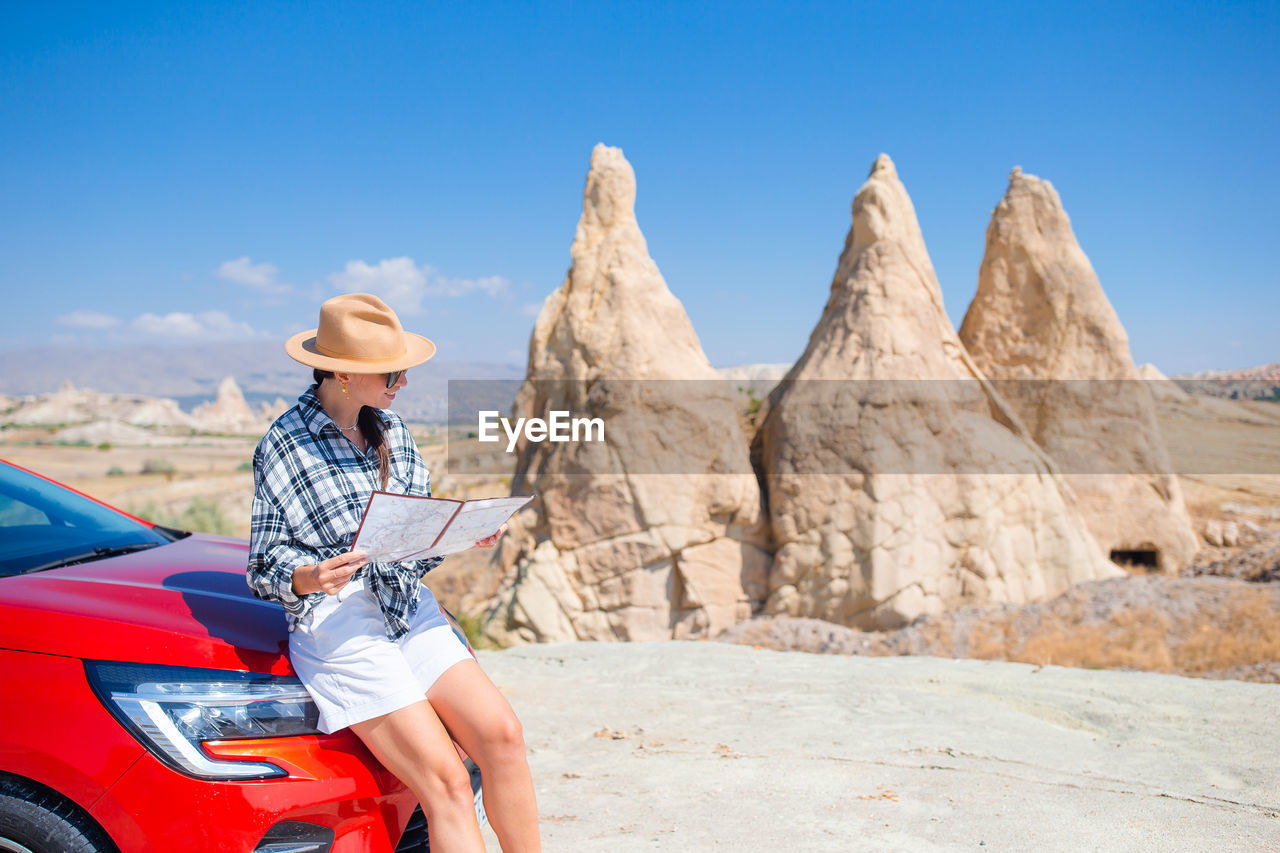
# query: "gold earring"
(344, 389)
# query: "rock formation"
(656, 531)
(228, 412)
(1041, 325)
(268, 412)
(67, 405)
(159, 412)
(879, 448)
(1162, 387)
(114, 432)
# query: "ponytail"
(371, 427)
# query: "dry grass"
(1236, 628)
(1248, 633)
(1133, 640)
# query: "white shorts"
(354, 671)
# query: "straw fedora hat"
(358, 333)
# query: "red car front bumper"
(60, 735)
(333, 782)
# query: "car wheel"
(33, 819)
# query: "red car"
(147, 702)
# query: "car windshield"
(43, 525)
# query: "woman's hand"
(490, 541)
(329, 575)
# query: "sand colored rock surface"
(1163, 389)
(229, 412)
(70, 406)
(706, 746)
(114, 433)
(159, 412)
(637, 537)
(1041, 321)
(268, 412)
(878, 449)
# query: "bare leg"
(481, 720)
(414, 745)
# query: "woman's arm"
(283, 570)
(274, 558)
(280, 567)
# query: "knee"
(446, 788)
(504, 739)
(509, 733)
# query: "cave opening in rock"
(1148, 561)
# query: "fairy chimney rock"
(1039, 311)
(230, 396)
(1041, 325)
(614, 316)
(656, 531)
(899, 483)
(229, 412)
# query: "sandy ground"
(707, 746)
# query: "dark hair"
(371, 427)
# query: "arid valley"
(1217, 618)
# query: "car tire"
(34, 819)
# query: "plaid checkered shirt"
(311, 485)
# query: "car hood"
(184, 603)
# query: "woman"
(368, 639)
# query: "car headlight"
(172, 710)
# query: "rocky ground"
(707, 746)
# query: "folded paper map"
(405, 527)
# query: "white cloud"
(244, 271)
(403, 284)
(397, 281)
(205, 326)
(88, 320)
(531, 309)
(453, 287)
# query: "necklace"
(353, 426)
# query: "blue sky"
(181, 172)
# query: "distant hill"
(755, 372)
(191, 374)
(1250, 383)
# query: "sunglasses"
(393, 378)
